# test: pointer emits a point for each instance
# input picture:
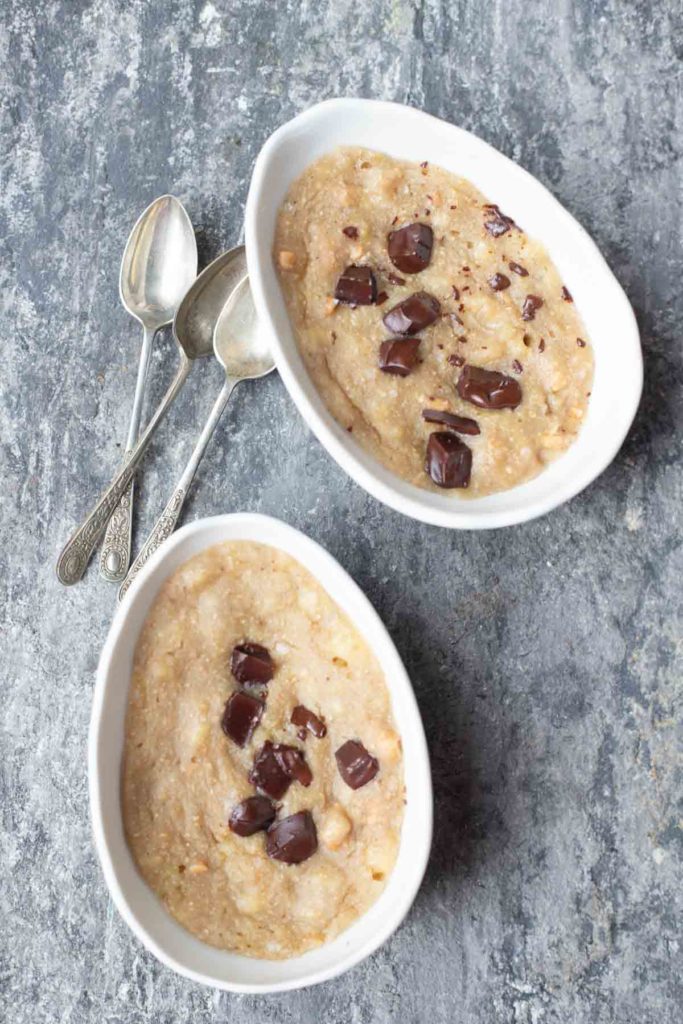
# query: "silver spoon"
(159, 265)
(242, 349)
(193, 327)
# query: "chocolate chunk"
(293, 839)
(455, 360)
(356, 287)
(293, 763)
(251, 663)
(350, 232)
(395, 279)
(497, 223)
(499, 282)
(448, 461)
(455, 292)
(382, 298)
(306, 719)
(398, 355)
(241, 716)
(516, 268)
(254, 814)
(460, 424)
(517, 366)
(541, 345)
(531, 304)
(566, 294)
(489, 389)
(410, 248)
(356, 766)
(412, 314)
(267, 774)
(580, 342)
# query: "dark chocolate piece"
(497, 223)
(293, 839)
(531, 304)
(460, 424)
(241, 716)
(398, 355)
(448, 461)
(251, 663)
(395, 279)
(455, 292)
(499, 282)
(580, 342)
(267, 773)
(350, 232)
(517, 268)
(566, 294)
(382, 298)
(254, 814)
(489, 389)
(306, 719)
(517, 366)
(413, 314)
(410, 248)
(356, 765)
(356, 287)
(293, 763)
(456, 360)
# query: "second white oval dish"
(138, 905)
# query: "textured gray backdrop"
(546, 658)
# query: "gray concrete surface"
(546, 658)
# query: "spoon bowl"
(198, 313)
(159, 263)
(239, 341)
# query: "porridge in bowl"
(263, 785)
(435, 330)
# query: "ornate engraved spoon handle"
(76, 554)
(115, 555)
(166, 522)
(163, 528)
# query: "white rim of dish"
(422, 770)
(357, 463)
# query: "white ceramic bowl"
(136, 902)
(412, 135)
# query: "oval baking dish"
(140, 908)
(408, 134)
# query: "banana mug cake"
(435, 330)
(263, 785)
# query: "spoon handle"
(166, 522)
(115, 555)
(75, 556)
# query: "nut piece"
(286, 259)
(200, 868)
(335, 826)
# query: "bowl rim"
(378, 481)
(142, 593)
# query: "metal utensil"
(242, 349)
(159, 265)
(193, 327)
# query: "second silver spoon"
(241, 348)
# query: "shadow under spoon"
(159, 264)
(241, 347)
(193, 327)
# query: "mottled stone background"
(546, 658)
